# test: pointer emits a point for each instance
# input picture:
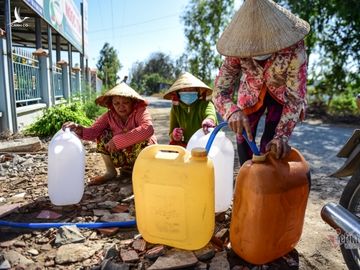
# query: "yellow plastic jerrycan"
(174, 196)
(269, 206)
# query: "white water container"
(222, 155)
(66, 168)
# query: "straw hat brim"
(187, 81)
(122, 90)
(261, 27)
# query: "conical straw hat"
(122, 90)
(261, 27)
(187, 80)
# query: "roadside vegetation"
(81, 110)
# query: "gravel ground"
(24, 181)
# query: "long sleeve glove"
(206, 124)
(177, 134)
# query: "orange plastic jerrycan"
(174, 196)
(269, 206)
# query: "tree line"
(333, 47)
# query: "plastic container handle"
(252, 144)
(155, 148)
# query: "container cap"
(261, 158)
(198, 152)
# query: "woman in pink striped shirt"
(121, 133)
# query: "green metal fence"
(58, 85)
(74, 85)
(26, 77)
(73, 81)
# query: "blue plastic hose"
(213, 134)
(252, 144)
(94, 225)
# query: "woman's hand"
(238, 121)
(279, 147)
(111, 147)
(177, 134)
(206, 124)
(78, 129)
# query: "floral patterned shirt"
(284, 75)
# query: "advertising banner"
(63, 16)
(85, 14)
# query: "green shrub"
(92, 111)
(53, 118)
(343, 105)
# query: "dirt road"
(320, 143)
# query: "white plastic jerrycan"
(66, 168)
(222, 155)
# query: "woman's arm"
(173, 122)
(295, 94)
(91, 133)
(224, 87)
(223, 96)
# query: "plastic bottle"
(174, 196)
(269, 206)
(66, 168)
(222, 155)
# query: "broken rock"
(155, 252)
(28, 144)
(15, 258)
(220, 262)
(206, 253)
(129, 256)
(139, 245)
(68, 234)
(175, 259)
(75, 253)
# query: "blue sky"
(135, 28)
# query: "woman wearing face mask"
(190, 110)
(264, 49)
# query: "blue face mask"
(188, 97)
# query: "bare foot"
(98, 180)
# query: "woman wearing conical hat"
(121, 133)
(265, 65)
(190, 110)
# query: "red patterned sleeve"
(295, 95)
(91, 133)
(142, 132)
(224, 87)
